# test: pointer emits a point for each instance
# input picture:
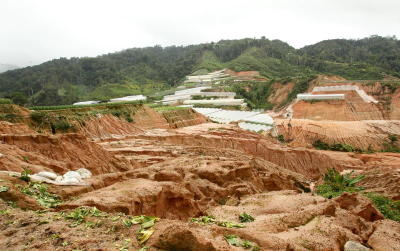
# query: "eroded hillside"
(197, 177)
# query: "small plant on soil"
(341, 147)
(3, 189)
(335, 184)
(124, 246)
(146, 223)
(236, 241)
(142, 235)
(244, 217)
(4, 212)
(78, 215)
(281, 138)
(393, 138)
(389, 208)
(25, 174)
(39, 192)
(211, 220)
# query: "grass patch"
(341, 147)
(25, 174)
(63, 107)
(244, 217)
(203, 220)
(80, 214)
(4, 189)
(236, 241)
(168, 108)
(39, 192)
(335, 184)
(392, 145)
(389, 208)
(5, 101)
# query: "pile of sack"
(70, 178)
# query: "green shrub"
(10, 117)
(393, 138)
(25, 174)
(244, 217)
(211, 220)
(236, 241)
(321, 145)
(62, 125)
(389, 208)
(39, 117)
(281, 138)
(335, 184)
(40, 193)
(341, 147)
(4, 101)
(390, 147)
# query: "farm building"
(128, 98)
(86, 103)
(251, 121)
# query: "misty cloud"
(34, 31)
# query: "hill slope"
(145, 70)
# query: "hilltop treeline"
(151, 69)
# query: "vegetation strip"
(335, 184)
(236, 241)
(211, 220)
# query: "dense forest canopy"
(151, 69)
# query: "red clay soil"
(58, 153)
(353, 108)
(176, 174)
(245, 75)
(11, 128)
(312, 163)
(106, 126)
(338, 110)
(280, 92)
(365, 135)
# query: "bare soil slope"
(179, 173)
(366, 134)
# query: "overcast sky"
(34, 31)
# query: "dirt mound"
(312, 163)
(286, 220)
(365, 135)
(383, 180)
(194, 183)
(59, 153)
(386, 236)
(107, 126)
(283, 220)
(147, 118)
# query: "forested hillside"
(146, 70)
